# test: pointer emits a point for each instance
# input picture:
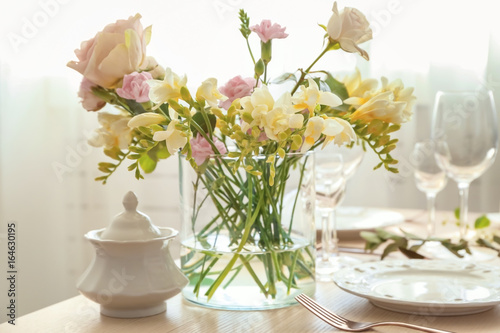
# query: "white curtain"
(47, 169)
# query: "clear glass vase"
(248, 238)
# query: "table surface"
(79, 314)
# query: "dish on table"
(352, 220)
(424, 287)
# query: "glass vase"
(248, 231)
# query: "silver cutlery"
(352, 326)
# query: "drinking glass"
(465, 133)
(330, 185)
(429, 179)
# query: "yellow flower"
(146, 119)
(113, 132)
(339, 130)
(208, 92)
(273, 117)
(170, 88)
(174, 138)
(359, 90)
(310, 97)
(401, 94)
(381, 106)
(314, 129)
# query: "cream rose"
(349, 29)
(117, 50)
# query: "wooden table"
(78, 314)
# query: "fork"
(352, 326)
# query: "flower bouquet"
(246, 171)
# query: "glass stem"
(463, 189)
(431, 210)
(326, 233)
(334, 240)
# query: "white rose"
(349, 29)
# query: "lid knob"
(131, 224)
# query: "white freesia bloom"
(349, 28)
(169, 88)
(174, 138)
(381, 106)
(208, 92)
(314, 129)
(310, 97)
(113, 132)
(401, 94)
(146, 119)
(273, 117)
(339, 130)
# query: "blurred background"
(47, 168)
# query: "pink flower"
(236, 88)
(90, 102)
(135, 87)
(266, 31)
(117, 50)
(202, 149)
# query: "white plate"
(424, 287)
(352, 220)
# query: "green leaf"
(200, 120)
(388, 249)
(411, 254)
(323, 26)
(114, 153)
(482, 222)
(457, 213)
(336, 87)
(147, 163)
(135, 107)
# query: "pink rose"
(266, 31)
(117, 50)
(135, 87)
(90, 102)
(236, 88)
(202, 149)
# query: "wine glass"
(465, 133)
(330, 184)
(429, 179)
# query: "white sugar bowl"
(133, 273)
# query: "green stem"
(250, 50)
(304, 73)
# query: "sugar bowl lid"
(131, 225)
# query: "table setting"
(264, 165)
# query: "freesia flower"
(268, 31)
(117, 50)
(349, 28)
(314, 129)
(310, 97)
(113, 132)
(339, 130)
(90, 102)
(174, 138)
(146, 119)
(381, 106)
(169, 88)
(359, 90)
(135, 87)
(202, 150)
(401, 94)
(208, 92)
(237, 87)
(273, 117)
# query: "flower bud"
(266, 51)
(259, 68)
